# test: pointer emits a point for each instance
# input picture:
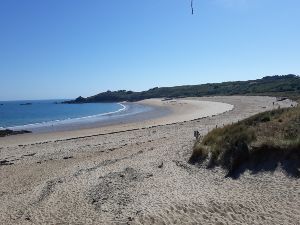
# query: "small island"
(28, 103)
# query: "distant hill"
(285, 85)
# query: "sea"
(52, 115)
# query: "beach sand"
(137, 173)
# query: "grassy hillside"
(261, 142)
(288, 85)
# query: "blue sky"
(65, 48)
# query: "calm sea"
(26, 114)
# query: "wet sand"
(137, 173)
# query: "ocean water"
(36, 114)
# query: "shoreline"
(46, 125)
(161, 113)
(141, 176)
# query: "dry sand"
(140, 176)
(179, 111)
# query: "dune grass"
(261, 142)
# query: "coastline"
(159, 113)
(140, 176)
(66, 124)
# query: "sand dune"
(141, 176)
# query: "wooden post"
(196, 134)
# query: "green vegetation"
(259, 143)
(288, 85)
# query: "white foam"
(69, 120)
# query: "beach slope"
(138, 173)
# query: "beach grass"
(260, 143)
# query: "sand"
(138, 173)
(178, 111)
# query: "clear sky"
(65, 48)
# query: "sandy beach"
(164, 112)
(137, 173)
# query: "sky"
(60, 49)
